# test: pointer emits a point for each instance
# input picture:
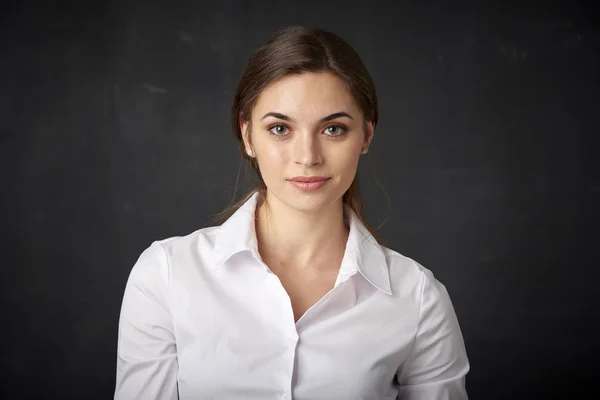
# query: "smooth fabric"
(204, 318)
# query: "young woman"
(291, 297)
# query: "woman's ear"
(369, 133)
(244, 128)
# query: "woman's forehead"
(306, 94)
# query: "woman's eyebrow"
(327, 118)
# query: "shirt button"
(286, 396)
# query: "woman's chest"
(247, 345)
(316, 365)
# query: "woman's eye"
(336, 131)
(278, 130)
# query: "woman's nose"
(307, 150)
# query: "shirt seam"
(414, 341)
(171, 316)
(164, 251)
(166, 256)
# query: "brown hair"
(294, 50)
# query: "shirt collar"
(362, 254)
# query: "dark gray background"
(115, 132)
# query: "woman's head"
(305, 106)
(299, 80)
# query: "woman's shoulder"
(409, 275)
(201, 239)
(161, 254)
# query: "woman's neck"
(297, 239)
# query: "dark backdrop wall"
(115, 132)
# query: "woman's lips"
(309, 186)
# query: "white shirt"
(204, 318)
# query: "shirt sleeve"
(146, 350)
(438, 365)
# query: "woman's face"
(307, 125)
